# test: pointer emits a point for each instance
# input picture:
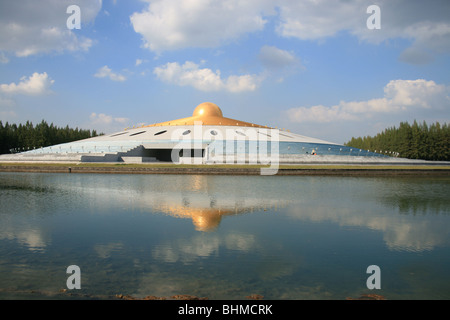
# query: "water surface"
(223, 237)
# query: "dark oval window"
(118, 134)
(213, 132)
(161, 132)
(135, 134)
(266, 134)
(186, 132)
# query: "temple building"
(206, 137)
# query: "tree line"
(18, 138)
(416, 141)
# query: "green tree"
(416, 141)
(23, 137)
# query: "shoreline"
(230, 169)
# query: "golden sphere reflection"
(206, 221)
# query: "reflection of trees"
(419, 205)
(396, 206)
(417, 195)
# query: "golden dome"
(207, 109)
(209, 114)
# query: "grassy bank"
(155, 168)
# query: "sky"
(332, 70)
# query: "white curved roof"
(205, 126)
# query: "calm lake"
(223, 237)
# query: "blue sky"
(312, 67)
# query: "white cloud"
(430, 38)
(36, 84)
(106, 72)
(189, 74)
(106, 123)
(102, 119)
(31, 27)
(426, 25)
(121, 120)
(192, 249)
(4, 115)
(416, 55)
(172, 24)
(278, 63)
(400, 97)
(274, 58)
(3, 58)
(317, 19)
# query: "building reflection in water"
(204, 219)
(204, 199)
